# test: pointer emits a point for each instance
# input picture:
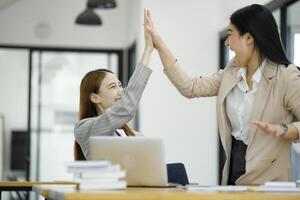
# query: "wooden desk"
(27, 185)
(63, 193)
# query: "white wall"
(189, 127)
(133, 26)
(229, 6)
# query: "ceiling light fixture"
(89, 17)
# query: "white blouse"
(239, 103)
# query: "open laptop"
(143, 158)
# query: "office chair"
(177, 173)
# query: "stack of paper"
(97, 175)
(278, 187)
(229, 188)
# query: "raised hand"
(148, 39)
(149, 27)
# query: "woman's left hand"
(270, 129)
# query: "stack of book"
(97, 175)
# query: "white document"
(272, 189)
(118, 185)
(278, 187)
(280, 184)
(229, 188)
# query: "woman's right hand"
(149, 28)
(149, 46)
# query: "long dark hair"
(90, 84)
(260, 23)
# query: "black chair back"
(177, 173)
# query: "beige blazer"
(277, 101)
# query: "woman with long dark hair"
(258, 97)
(105, 108)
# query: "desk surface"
(137, 193)
(6, 184)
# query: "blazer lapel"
(228, 84)
(262, 96)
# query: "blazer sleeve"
(192, 87)
(119, 113)
(292, 94)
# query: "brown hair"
(90, 84)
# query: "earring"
(226, 43)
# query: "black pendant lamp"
(89, 17)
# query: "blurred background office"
(44, 54)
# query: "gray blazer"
(115, 116)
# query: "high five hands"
(149, 27)
(149, 45)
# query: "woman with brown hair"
(105, 107)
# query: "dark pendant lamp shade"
(104, 4)
(89, 17)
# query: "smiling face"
(109, 92)
(242, 45)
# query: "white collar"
(256, 76)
